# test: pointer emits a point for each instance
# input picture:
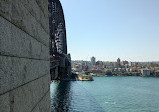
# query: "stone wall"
(24, 56)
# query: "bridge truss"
(60, 62)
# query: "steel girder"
(58, 42)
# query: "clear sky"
(108, 29)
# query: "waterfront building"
(127, 69)
(93, 60)
(138, 69)
(130, 63)
(131, 70)
(156, 68)
(115, 64)
(157, 73)
(115, 69)
(124, 70)
(119, 69)
(145, 72)
(85, 66)
(77, 68)
(126, 66)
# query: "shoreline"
(120, 76)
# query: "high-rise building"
(93, 60)
(118, 62)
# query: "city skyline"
(121, 60)
(111, 29)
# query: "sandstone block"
(15, 12)
(5, 8)
(15, 42)
(44, 104)
(37, 12)
(5, 103)
(27, 97)
(15, 72)
(43, 4)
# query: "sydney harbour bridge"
(60, 60)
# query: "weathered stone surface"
(43, 4)
(19, 15)
(36, 109)
(15, 42)
(26, 97)
(5, 103)
(5, 8)
(44, 104)
(37, 12)
(24, 56)
(18, 71)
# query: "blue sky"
(108, 29)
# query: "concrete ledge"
(15, 12)
(15, 42)
(15, 72)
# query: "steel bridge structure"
(60, 61)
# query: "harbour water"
(106, 94)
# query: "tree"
(109, 73)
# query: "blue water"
(106, 94)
